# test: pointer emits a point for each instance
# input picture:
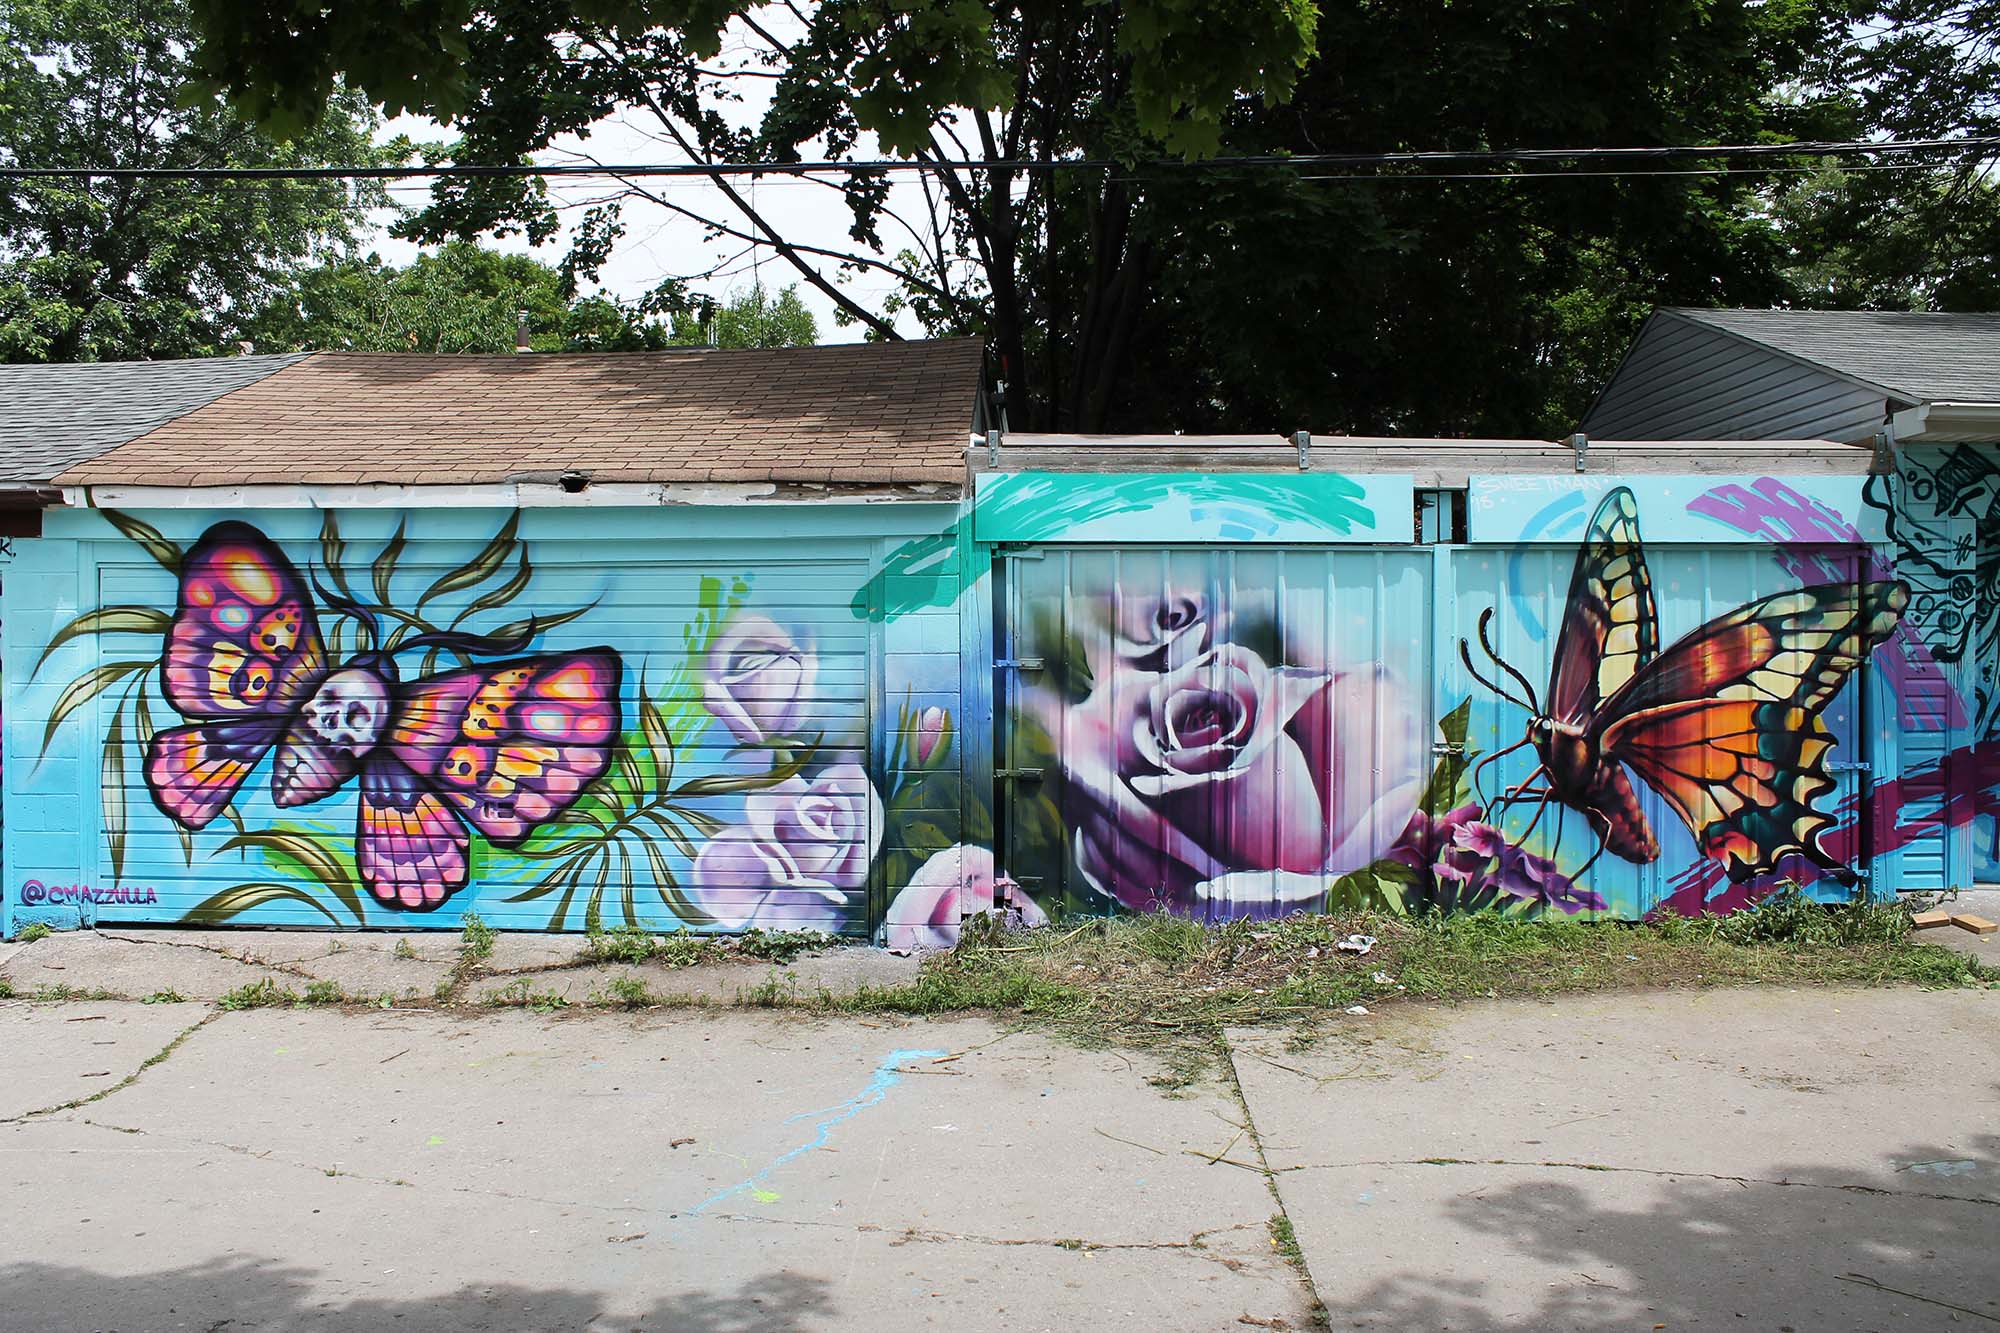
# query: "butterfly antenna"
(1485, 619)
(1465, 656)
(347, 606)
(483, 645)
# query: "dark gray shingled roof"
(1918, 358)
(53, 417)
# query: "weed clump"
(34, 930)
(261, 994)
(780, 946)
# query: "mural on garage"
(370, 741)
(361, 731)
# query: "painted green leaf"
(108, 620)
(169, 554)
(670, 892)
(1445, 790)
(114, 793)
(481, 567)
(85, 688)
(500, 596)
(547, 883)
(653, 726)
(538, 624)
(241, 898)
(384, 569)
(307, 856)
(333, 552)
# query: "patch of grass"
(65, 992)
(261, 994)
(167, 996)
(404, 949)
(1286, 1241)
(325, 992)
(34, 930)
(1165, 981)
(780, 946)
(626, 993)
(520, 994)
(475, 945)
(6, 989)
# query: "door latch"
(1017, 774)
(1018, 663)
(1448, 749)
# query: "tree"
(460, 299)
(1143, 295)
(965, 80)
(753, 318)
(117, 269)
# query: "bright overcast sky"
(659, 244)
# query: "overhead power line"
(895, 166)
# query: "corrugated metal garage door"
(737, 793)
(1218, 731)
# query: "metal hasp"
(1304, 440)
(993, 448)
(1018, 774)
(1884, 464)
(1581, 443)
(1018, 663)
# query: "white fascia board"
(500, 495)
(1945, 422)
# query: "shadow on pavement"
(233, 1296)
(1677, 1252)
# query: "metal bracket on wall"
(1304, 440)
(1581, 443)
(1018, 663)
(1850, 766)
(1017, 774)
(993, 448)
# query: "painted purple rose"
(1157, 632)
(1524, 875)
(952, 885)
(757, 678)
(1221, 765)
(801, 851)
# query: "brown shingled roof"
(859, 412)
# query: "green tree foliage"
(110, 270)
(462, 298)
(1137, 297)
(755, 317)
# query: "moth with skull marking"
(502, 747)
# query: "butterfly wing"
(193, 771)
(1610, 629)
(512, 744)
(410, 848)
(243, 641)
(1726, 725)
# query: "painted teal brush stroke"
(887, 1076)
(1052, 506)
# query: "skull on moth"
(349, 711)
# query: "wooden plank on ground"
(1925, 920)
(1978, 925)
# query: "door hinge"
(1444, 749)
(1017, 663)
(1017, 774)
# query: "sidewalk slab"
(662, 1170)
(1633, 1160)
(58, 1053)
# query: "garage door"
(1220, 731)
(550, 739)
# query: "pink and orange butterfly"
(1725, 723)
(502, 747)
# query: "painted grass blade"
(167, 553)
(241, 898)
(539, 624)
(384, 568)
(107, 620)
(481, 567)
(494, 598)
(308, 856)
(114, 790)
(85, 688)
(333, 552)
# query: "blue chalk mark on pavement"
(887, 1075)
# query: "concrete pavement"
(1753, 1159)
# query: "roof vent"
(521, 343)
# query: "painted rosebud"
(933, 736)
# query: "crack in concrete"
(295, 969)
(155, 1058)
(1284, 1237)
(1744, 1181)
